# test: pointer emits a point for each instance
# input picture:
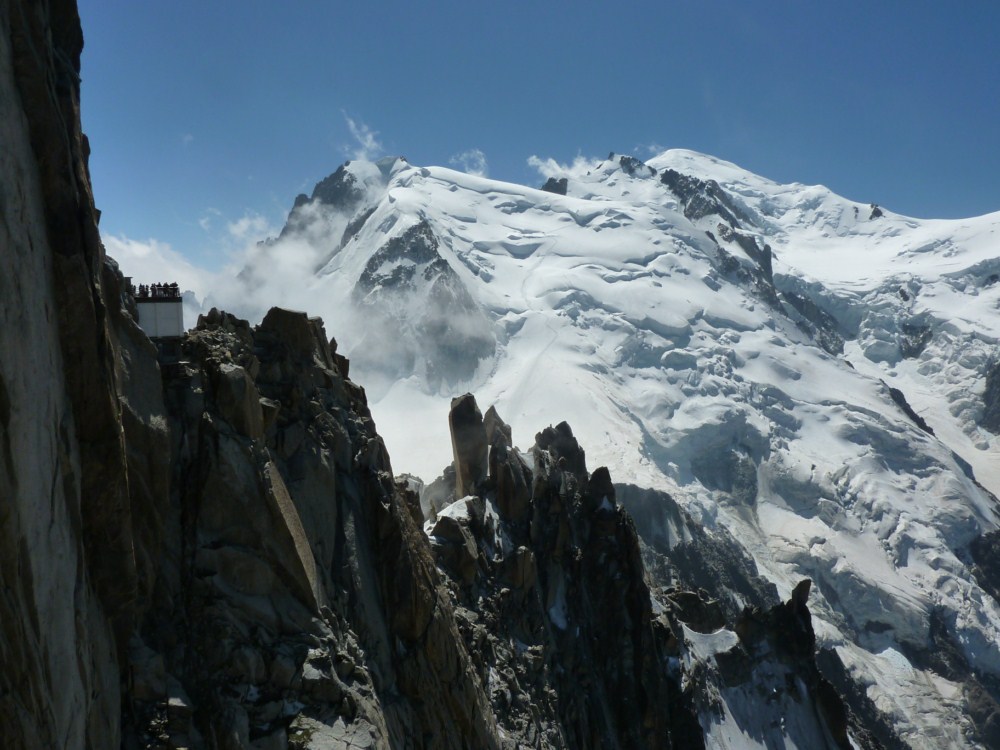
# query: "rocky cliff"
(69, 572)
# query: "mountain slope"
(774, 356)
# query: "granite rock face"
(468, 442)
(339, 191)
(72, 582)
(299, 603)
(549, 591)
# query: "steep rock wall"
(298, 603)
(67, 572)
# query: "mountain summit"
(806, 372)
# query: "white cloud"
(367, 145)
(284, 273)
(205, 222)
(187, 139)
(546, 167)
(650, 149)
(251, 227)
(257, 276)
(551, 168)
(151, 261)
(472, 161)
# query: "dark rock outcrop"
(758, 274)
(786, 631)
(816, 322)
(869, 726)
(702, 198)
(706, 582)
(559, 441)
(557, 186)
(759, 253)
(914, 337)
(990, 419)
(550, 595)
(508, 471)
(681, 555)
(468, 443)
(339, 191)
(634, 167)
(985, 552)
(899, 399)
(946, 656)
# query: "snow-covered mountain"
(803, 371)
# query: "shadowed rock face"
(817, 322)
(339, 191)
(681, 555)
(634, 167)
(296, 573)
(219, 558)
(557, 186)
(71, 420)
(549, 592)
(468, 442)
(419, 313)
(990, 419)
(704, 198)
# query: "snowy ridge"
(732, 341)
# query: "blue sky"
(207, 118)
